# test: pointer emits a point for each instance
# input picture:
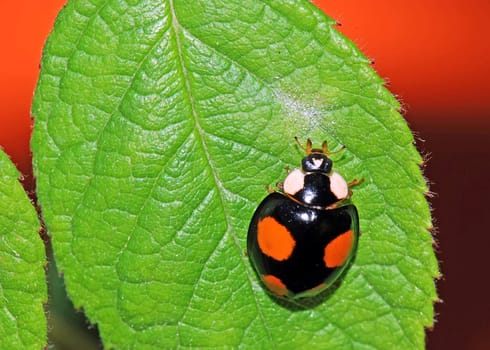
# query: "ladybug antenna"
(308, 146)
(325, 149)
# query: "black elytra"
(312, 230)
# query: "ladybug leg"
(280, 186)
(353, 183)
(269, 188)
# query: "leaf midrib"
(200, 134)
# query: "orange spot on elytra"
(275, 285)
(338, 250)
(274, 239)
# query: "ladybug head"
(316, 159)
(316, 162)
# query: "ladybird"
(303, 235)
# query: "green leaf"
(157, 126)
(22, 258)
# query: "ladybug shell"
(299, 251)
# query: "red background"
(435, 55)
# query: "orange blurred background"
(24, 26)
(436, 57)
